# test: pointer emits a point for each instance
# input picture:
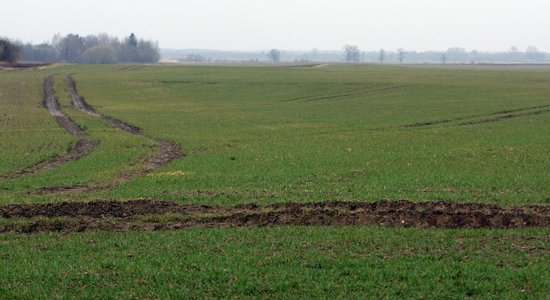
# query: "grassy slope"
(249, 139)
(271, 134)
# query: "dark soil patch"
(114, 215)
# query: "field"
(231, 181)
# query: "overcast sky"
(485, 25)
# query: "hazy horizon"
(248, 25)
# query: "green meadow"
(275, 134)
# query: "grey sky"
(290, 24)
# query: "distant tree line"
(452, 55)
(449, 56)
(92, 49)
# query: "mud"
(51, 104)
(74, 151)
(122, 216)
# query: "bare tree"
(353, 54)
(381, 56)
(71, 48)
(534, 54)
(274, 55)
(401, 55)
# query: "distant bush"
(100, 54)
(9, 51)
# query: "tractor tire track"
(167, 151)
(161, 215)
(491, 117)
(82, 147)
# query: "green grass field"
(269, 135)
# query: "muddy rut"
(74, 151)
(167, 151)
(160, 215)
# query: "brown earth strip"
(160, 215)
(74, 151)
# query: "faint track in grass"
(151, 215)
(74, 152)
(369, 91)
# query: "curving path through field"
(74, 152)
(167, 151)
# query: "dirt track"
(167, 151)
(159, 215)
(74, 152)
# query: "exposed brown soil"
(114, 215)
(74, 151)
